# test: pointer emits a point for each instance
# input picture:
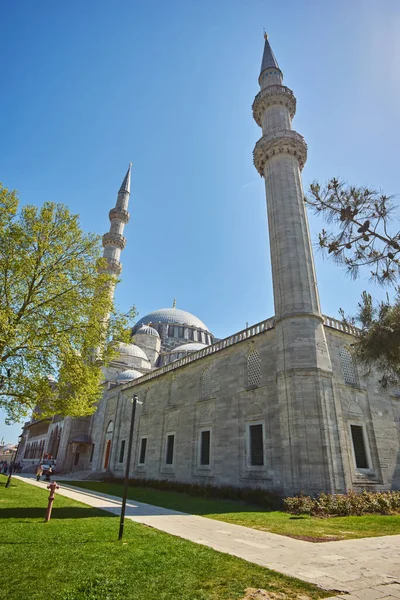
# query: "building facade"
(280, 405)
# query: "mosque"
(280, 405)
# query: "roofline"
(244, 334)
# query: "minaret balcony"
(274, 95)
(119, 214)
(114, 239)
(114, 266)
(284, 141)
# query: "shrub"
(264, 498)
(343, 505)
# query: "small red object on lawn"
(52, 487)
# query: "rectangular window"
(256, 445)
(91, 454)
(360, 453)
(169, 459)
(122, 451)
(205, 445)
(142, 453)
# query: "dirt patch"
(316, 540)
(259, 594)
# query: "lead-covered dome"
(190, 347)
(147, 330)
(174, 316)
(131, 350)
(128, 375)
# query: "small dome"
(131, 350)
(127, 375)
(174, 316)
(147, 330)
(190, 347)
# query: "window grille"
(142, 454)
(122, 451)
(256, 445)
(253, 370)
(206, 383)
(170, 450)
(360, 452)
(205, 445)
(348, 367)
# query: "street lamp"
(135, 401)
(12, 463)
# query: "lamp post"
(127, 468)
(12, 463)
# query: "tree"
(362, 236)
(56, 311)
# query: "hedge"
(343, 505)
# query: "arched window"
(206, 383)
(349, 370)
(110, 427)
(253, 370)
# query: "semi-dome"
(171, 315)
(131, 350)
(127, 375)
(190, 347)
(147, 330)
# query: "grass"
(303, 527)
(76, 556)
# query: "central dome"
(174, 316)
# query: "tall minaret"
(114, 241)
(304, 374)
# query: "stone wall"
(213, 393)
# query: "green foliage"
(361, 233)
(56, 311)
(378, 339)
(340, 505)
(362, 236)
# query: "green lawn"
(304, 527)
(76, 556)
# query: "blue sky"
(89, 86)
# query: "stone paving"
(363, 569)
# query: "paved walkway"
(364, 569)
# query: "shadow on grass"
(68, 512)
(169, 500)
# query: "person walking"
(39, 471)
(49, 473)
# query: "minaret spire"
(268, 59)
(114, 241)
(304, 382)
(126, 184)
